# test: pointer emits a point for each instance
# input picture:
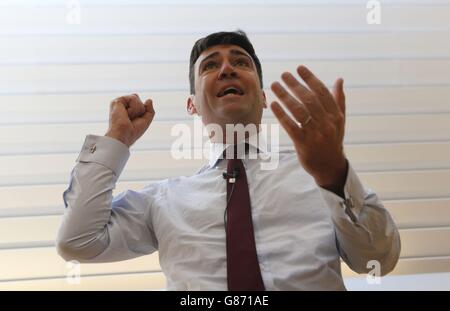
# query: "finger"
(297, 109)
(319, 89)
(143, 122)
(307, 97)
(291, 127)
(339, 95)
(135, 106)
(118, 109)
(128, 105)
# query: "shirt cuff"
(106, 151)
(354, 193)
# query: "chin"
(235, 115)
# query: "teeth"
(231, 89)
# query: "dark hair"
(238, 38)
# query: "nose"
(226, 71)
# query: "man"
(250, 229)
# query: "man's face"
(227, 87)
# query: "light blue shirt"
(301, 230)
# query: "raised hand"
(129, 118)
(318, 127)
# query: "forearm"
(365, 230)
(83, 232)
(372, 235)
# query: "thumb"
(149, 111)
(143, 122)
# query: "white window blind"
(58, 77)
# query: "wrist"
(335, 178)
(114, 135)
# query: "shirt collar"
(257, 143)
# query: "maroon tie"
(243, 270)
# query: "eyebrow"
(232, 52)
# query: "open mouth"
(230, 91)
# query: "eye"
(209, 65)
(242, 62)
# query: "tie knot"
(237, 151)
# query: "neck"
(233, 133)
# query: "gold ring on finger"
(308, 120)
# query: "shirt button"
(93, 148)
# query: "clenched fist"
(129, 118)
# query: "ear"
(265, 100)
(190, 107)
